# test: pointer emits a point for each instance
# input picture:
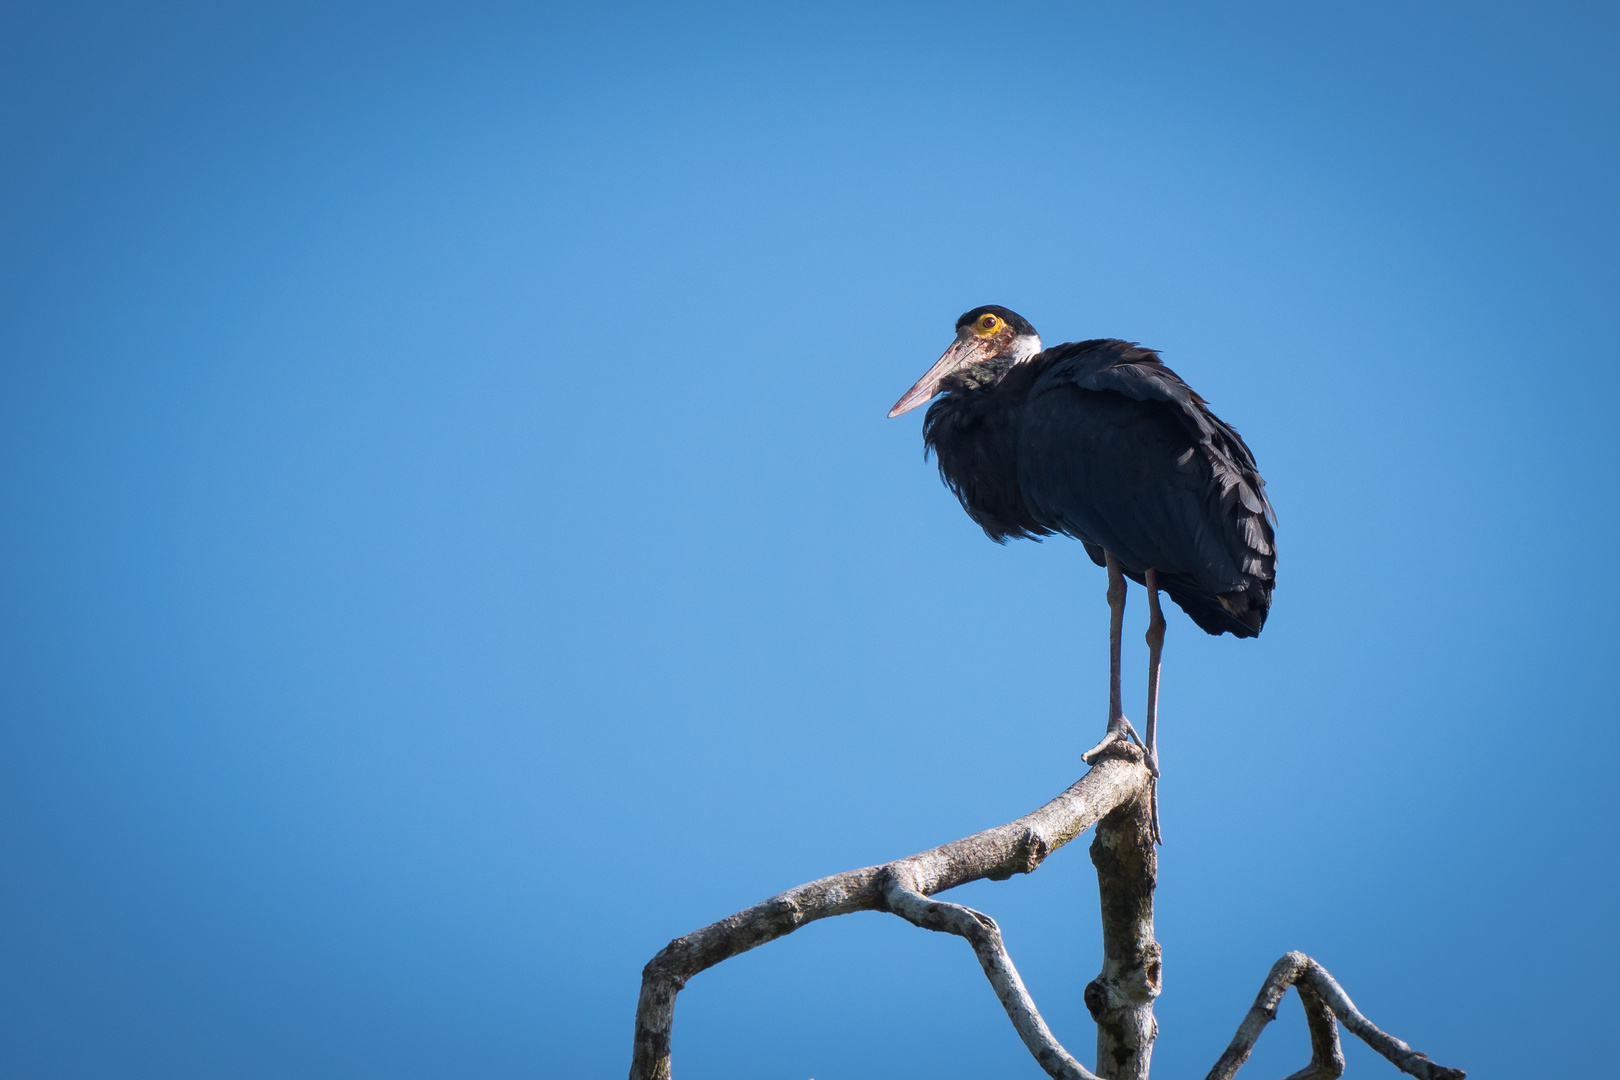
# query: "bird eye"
(988, 322)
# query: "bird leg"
(1116, 626)
(1120, 731)
(1155, 644)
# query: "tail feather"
(1241, 614)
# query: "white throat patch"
(1024, 347)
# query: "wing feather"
(1115, 449)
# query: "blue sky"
(454, 543)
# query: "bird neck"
(1024, 348)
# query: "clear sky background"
(453, 543)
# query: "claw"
(1117, 743)
(1110, 742)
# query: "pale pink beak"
(958, 356)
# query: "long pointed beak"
(959, 355)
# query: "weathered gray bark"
(1120, 999)
(1116, 796)
(1324, 1000)
(984, 935)
(901, 886)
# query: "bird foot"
(1118, 743)
(1122, 741)
(1150, 756)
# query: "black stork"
(1100, 441)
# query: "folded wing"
(1115, 450)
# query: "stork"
(1100, 441)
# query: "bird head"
(989, 340)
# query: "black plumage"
(1100, 441)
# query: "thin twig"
(1320, 993)
(1327, 1057)
(984, 935)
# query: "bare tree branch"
(1116, 797)
(984, 935)
(1015, 848)
(1324, 1000)
(1120, 999)
(1327, 1058)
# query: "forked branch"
(1324, 1000)
(1114, 796)
(1015, 848)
